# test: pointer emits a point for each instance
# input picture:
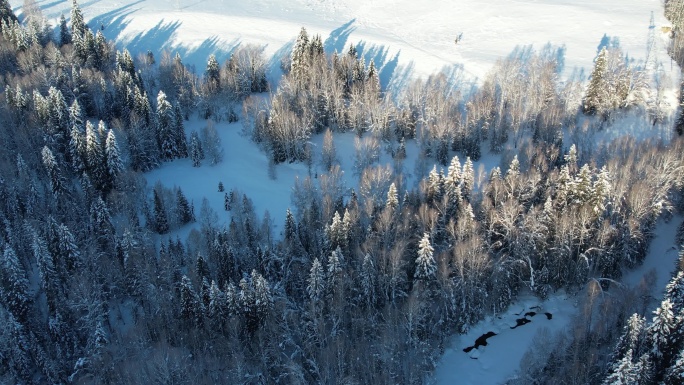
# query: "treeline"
(521, 96)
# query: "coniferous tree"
(95, 157)
(316, 282)
(594, 100)
(467, 179)
(196, 152)
(77, 24)
(392, 196)
(675, 373)
(77, 149)
(64, 32)
(213, 76)
(217, 309)
(179, 133)
(368, 281)
(624, 372)
(113, 158)
(54, 173)
(300, 52)
(160, 222)
(101, 220)
(662, 334)
(185, 214)
(425, 263)
(165, 128)
(189, 302)
(14, 285)
(6, 14)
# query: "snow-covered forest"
(417, 211)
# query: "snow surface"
(500, 359)
(407, 38)
(496, 362)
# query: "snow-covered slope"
(405, 37)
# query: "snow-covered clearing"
(406, 38)
(500, 359)
(496, 362)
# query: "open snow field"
(407, 38)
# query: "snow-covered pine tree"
(112, 158)
(595, 97)
(217, 310)
(623, 372)
(54, 173)
(95, 159)
(160, 222)
(675, 373)
(299, 65)
(14, 285)
(426, 267)
(632, 339)
(179, 132)
(583, 191)
(64, 32)
(392, 196)
(663, 336)
(674, 291)
(165, 128)
(368, 281)
(316, 282)
(336, 233)
(213, 75)
(6, 13)
(77, 24)
(189, 302)
(335, 270)
(196, 152)
(183, 207)
(467, 179)
(46, 270)
(101, 219)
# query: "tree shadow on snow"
(337, 40)
(160, 38)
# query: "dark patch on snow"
(480, 341)
(520, 322)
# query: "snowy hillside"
(405, 37)
(464, 195)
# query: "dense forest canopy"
(365, 284)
